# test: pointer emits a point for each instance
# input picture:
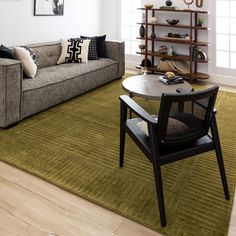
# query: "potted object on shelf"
(142, 31)
(200, 21)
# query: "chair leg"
(157, 173)
(219, 156)
(160, 195)
(122, 147)
(123, 117)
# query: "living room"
(64, 64)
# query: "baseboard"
(222, 79)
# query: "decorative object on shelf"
(168, 3)
(48, 7)
(148, 6)
(142, 31)
(141, 47)
(165, 66)
(200, 21)
(162, 50)
(172, 21)
(153, 36)
(146, 63)
(174, 66)
(188, 2)
(199, 3)
(153, 20)
(172, 52)
(168, 6)
(178, 36)
(199, 54)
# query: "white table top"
(149, 86)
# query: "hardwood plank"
(11, 226)
(48, 217)
(11, 195)
(58, 197)
(130, 228)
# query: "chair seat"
(167, 153)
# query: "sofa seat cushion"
(59, 73)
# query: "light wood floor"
(30, 206)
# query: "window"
(129, 28)
(225, 34)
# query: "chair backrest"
(185, 117)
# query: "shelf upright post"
(191, 47)
(153, 44)
(146, 37)
(196, 39)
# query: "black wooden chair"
(180, 130)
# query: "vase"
(142, 31)
(153, 35)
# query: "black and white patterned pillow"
(32, 54)
(74, 51)
(93, 54)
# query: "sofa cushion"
(28, 60)
(55, 74)
(6, 52)
(93, 54)
(74, 51)
(101, 46)
(47, 53)
(57, 84)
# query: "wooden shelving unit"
(191, 42)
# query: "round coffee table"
(150, 87)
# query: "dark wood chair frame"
(153, 150)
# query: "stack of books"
(174, 80)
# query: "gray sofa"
(53, 84)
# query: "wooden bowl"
(172, 22)
(148, 6)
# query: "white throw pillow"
(74, 51)
(28, 60)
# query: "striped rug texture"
(75, 145)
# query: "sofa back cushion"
(47, 53)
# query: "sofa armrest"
(11, 75)
(116, 51)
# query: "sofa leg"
(10, 126)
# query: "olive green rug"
(76, 146)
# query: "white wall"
(18, 25)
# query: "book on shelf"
(174, 80)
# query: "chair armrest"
(138, 110)
(11, 75)
(116, 51)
